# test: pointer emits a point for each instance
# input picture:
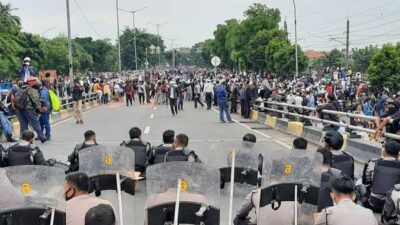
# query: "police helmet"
(334, 139)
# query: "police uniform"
(324, 199)
(24, 153)
(157, 154)
(380, 175)
(345, 213)
(140, 148)
(73, 158)
(181, 154)
(251, 201)
(170, 197)
(344, 162)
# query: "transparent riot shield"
(199, 193)
(32, 195)
(290, 189)
(110, 168)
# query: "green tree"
(362, 58)
(10, 27)
(280, 58)
(333, 58)
(143, 41)
(32, 46)
(384, 69)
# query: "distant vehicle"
(4, 87)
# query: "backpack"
(21, 98)
(54, 101)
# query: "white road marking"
(283, 144)
(146, 130)
(151, 116)
(247, 127)
(154, 108)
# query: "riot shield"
(32, 195)
(110, 168)
(288, 174)
(199, 197)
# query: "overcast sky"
(190, 21)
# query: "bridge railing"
(350, 115)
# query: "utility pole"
(119, 41)
(347, 43)
(295, 37)
(173, 50)
(158, 40)
(71, 69)
(134, 31)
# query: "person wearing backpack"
(28, 105)
(45, 110)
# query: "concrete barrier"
(295, 128)
(270, 121)
(64, 113)
(361, 150)
(254, 115)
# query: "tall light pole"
(295, 38)
(71, 69)
(134, 31)
(119, 41)
(173, 50)
(158, 34)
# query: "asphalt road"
(211, 140)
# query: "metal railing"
(352, 127)
(69, 102)
(339, 113)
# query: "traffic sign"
(215, 61)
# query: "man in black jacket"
(77, 95)
(332, 105)
(24, 152)
(73, 158)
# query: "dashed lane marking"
(154, 108)
(146, 130)
(151, 116)
(283, 144)
(247, 127)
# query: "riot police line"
(285, 187)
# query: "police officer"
(24, 152)
(300, 143)
(157, 154)
(340, 159)
(73, 158)
(328, 174)
(181, 152)
(345, 210)
(380, 175)
(140, 147)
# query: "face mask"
(71, 196)
(27, 63)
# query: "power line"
(86, 19)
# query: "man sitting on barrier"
(379, 176)
(392, 112)
(340, 159)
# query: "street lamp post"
(71, 70)
(134, 31)
(173, 51)
(158, 40)
(47, 30)
(119, 41)
(295, 38)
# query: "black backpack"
(21, 98)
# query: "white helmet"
(27, 59)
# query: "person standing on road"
(222, 99)
(45, 110)
(28, 104)
(173, 96)
(141, 90)
(181, 92)
(77, 94)
(234, 97)
(209, 90)
(106, 92)
(128, 93)
(196, 93)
